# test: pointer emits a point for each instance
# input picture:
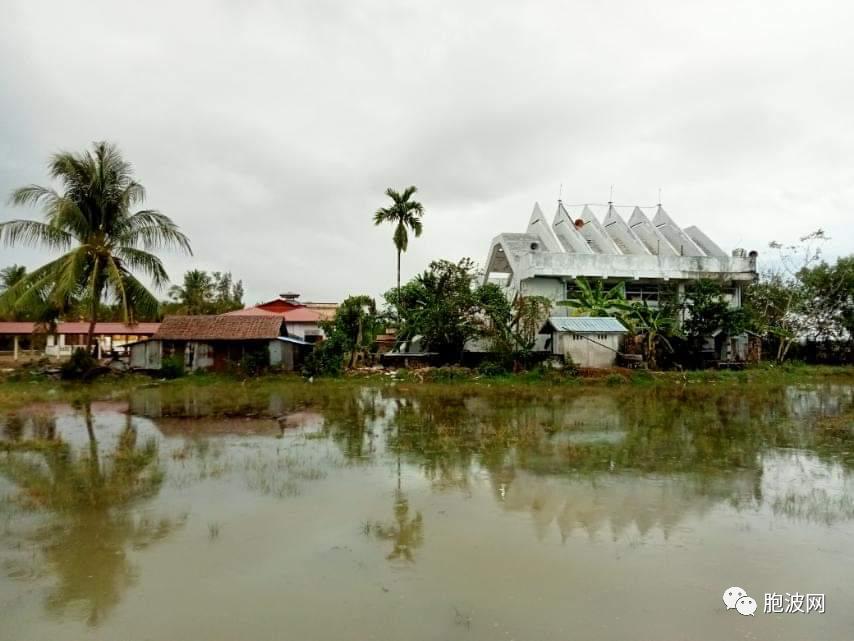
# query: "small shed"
(217, 342)
(589, 341)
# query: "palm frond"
(138, 296)
(401, 238)
(154, 230)
(149, 264)
(33, 233)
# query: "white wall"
(588, 350)
(552, 288)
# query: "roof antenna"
(560, 194)
(659, 196)
(611, 198)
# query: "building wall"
(198, 355)
(552, 288)
(584, 352)
(304, 331)
(146, 355)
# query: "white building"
(546, 259)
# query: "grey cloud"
(270, 130)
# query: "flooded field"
(351, 513)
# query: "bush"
(491, 368)
(79, 366)
(447, 374)
(615, 379)
(172, 366)
(326, 359)
(255, 362)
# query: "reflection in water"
(588, 493)
(406, 533)
(85, 542)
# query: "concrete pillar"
(15, 347)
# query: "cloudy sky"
(269, 130)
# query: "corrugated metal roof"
(295, 341)
(220, 327)
(581, 324)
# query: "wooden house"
(219, 342)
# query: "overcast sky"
(269, 131)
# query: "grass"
(19, 393)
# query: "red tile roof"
(81, 327)
(297, 315)
(224, 327)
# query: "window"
(643, 291)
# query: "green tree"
(404, 214)
(513, 328)
(194, 294)
(829, 292)
(102, 241)
(11, 276)
(780, 304)
(657, 325)
(595, 300)
(444, 305)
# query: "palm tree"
(196, 293)
(101, 241)
(656, 324)
(596, 300)
(10, 276)
(404, 213)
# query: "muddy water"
(339, 513)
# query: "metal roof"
(582, 324)
(295, 341)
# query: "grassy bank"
(21, 390)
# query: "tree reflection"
(406, 533)
(89, 494)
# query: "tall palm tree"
(90, 221)
(403, 214)
(196, 293)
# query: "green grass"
(18, 393)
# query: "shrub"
(255, 362)
(615, 379)
(172, 366)
(447, 374)
(79, 366)
(491, 368)
(326, 359)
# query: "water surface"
(427, 513)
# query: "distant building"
(647, 255)
(68, 336)
(302, 319)
(585, 340)
(217, 342)
(644, 253)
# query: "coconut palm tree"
(196, 293)
(89, 220)
(403, 214)
(595, 300)
(10, 276)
